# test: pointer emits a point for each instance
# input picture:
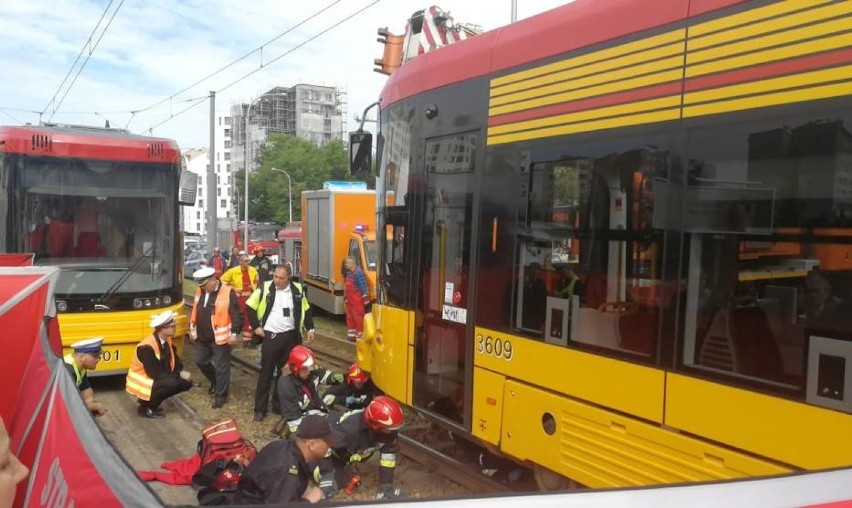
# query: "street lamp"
(289, 192)
(245, 163)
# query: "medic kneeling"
(366, 432)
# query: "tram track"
(414, 450)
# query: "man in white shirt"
(279, 312)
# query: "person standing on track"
(243, 278)
(280, 472)
(213, 327)
(86, 355)
(357, 298)
(263, 265)
(156, 371)
(279, 312)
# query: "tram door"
(443, 299)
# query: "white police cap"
(88, 345)
(162, 319)
(202, 275)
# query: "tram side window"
(589, 268)
(768, 215)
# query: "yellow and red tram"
(619, 239)
(103, 206)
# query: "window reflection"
(769, 252)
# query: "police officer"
(366, 431)
(280, 472)
(263, 265)
(213, 326)
(278, 311)
(297, 392)
(356, 393)
(156, 371)
(85, 357)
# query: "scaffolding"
(313, 112)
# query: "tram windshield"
(110, 226)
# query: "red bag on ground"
(223, 441)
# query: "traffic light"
(392, 57)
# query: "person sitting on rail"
(280, 472)
(156, 371)
(367, 431)
(297, 391)
(243, 278)
(356, 393)
(278, 315)
(86, 355)
(213, 327)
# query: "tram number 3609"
(498, 348)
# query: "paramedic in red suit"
(357, 299)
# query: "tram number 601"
(490, 346)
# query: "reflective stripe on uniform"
(221, 315)
(387, 460)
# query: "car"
(192, 261)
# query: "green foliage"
(308, 166)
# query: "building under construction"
(311, 112)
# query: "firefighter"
(280, 473)
(262, 264)
(297, 391)
(86, 355)
(156, 371)
(366, 431)
(356, 393)
(279, 312)
(243, 278)
(213, 327)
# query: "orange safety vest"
(138, 383)
(221, 315)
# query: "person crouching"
(156, 369)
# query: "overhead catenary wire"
(88, 56)
(258, 49)
(263, 66)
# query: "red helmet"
(383, 413)
(300, 357)
(258, 250)
(355, 374)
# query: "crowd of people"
(328, 420)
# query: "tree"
(308, 166)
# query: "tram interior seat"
(740, 340)
(60, 239)
(89, 245)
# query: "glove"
(336, 378)
(389, 492)
(350, 401)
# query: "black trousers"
(214, 361)
(274, 351)
(164, 387)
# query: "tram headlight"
(61, 305)
(147, 303)
(157, 301)
(137, 303)
(167, 300)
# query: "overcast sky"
(155, 48)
